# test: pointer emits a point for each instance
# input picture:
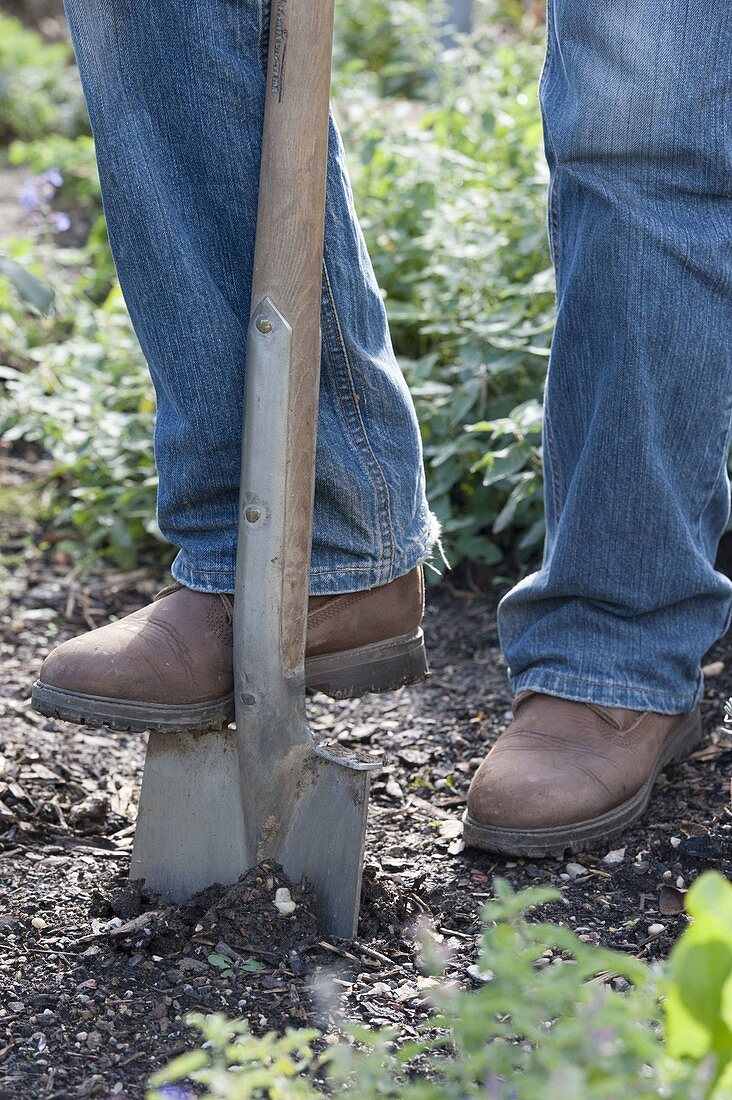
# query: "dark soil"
(95, 978)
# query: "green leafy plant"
(543, 1024)
(39, 89)
(397, 44)
(699, 1001)
(88, 269)
(86, 399)
(230, 966)
(451, 195)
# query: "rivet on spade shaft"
(264, 325)
(252, 514)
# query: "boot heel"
(382, 666)
(686, 738)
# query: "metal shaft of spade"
(302, 805)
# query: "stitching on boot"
(218, 623)
(332, 609)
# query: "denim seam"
(720, 468)
(348, 400)
(595, 683)
(422, 541)
(553, 226)
(263, 46)
(631, 697)
(217, 580)
(553, 464)
(552, 195)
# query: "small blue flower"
(54, 177)
(60, 221)
(28, 197)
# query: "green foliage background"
(446, 162)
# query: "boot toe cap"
(68, 668)
(506, 795)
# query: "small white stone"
(656, 929)
(680, 884)
(616, 856)
(675, 841)
(479, 975)
(284, 903)
(716, 668)
(574, 870)
(39, 923)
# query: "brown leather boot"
(169, 665)
(565, 774)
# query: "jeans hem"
(605, 693)
(334, 582)
(323, 582)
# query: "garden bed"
(90, 1003)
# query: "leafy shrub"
(79, 197)
(451, 196)
(699, 1001)
(539, 1027)
(39, 88)
(398, 44)
(88, 402)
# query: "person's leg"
(638, 124)
(175, 90)
(175, 93)
(604, 643)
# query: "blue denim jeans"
(637, 105)
(638, 123)
(175, 91)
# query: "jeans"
(638, 123)
(637, 107)
(175, 91)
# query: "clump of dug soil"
(261, 917)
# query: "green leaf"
(501, 464)
(180, 1067)
(30, 289)
(221, 962)
(698, 1005)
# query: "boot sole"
(379, 667)
(540, 843)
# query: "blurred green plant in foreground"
(445, 154)
(544, 1024)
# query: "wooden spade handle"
(288, 264)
